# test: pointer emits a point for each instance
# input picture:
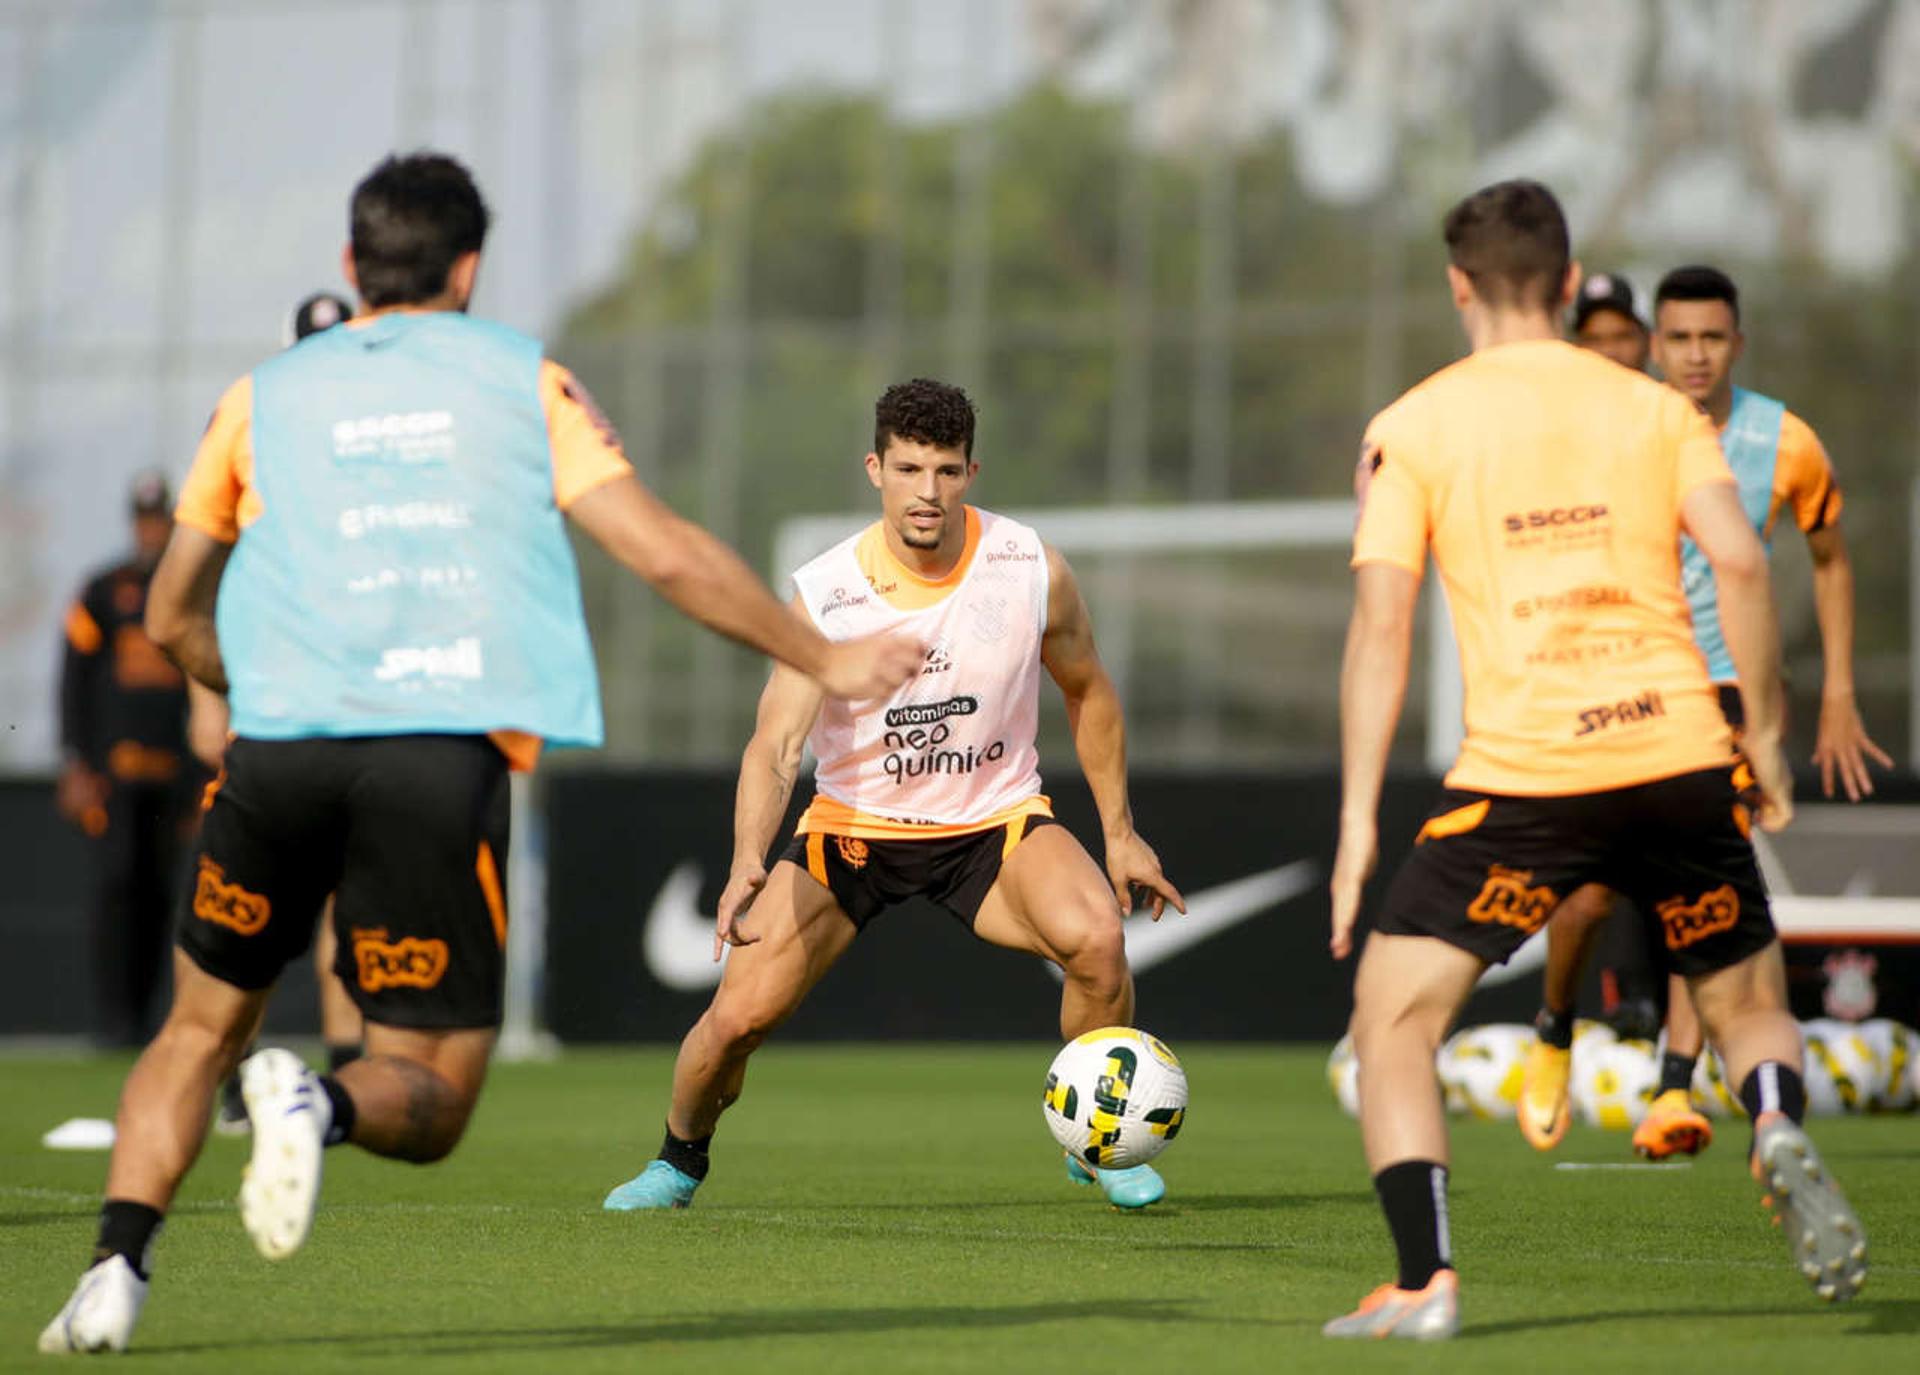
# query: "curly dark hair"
(926, 412)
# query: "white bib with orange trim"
(954, 750)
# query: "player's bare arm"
(704, 578)
(1843, 746)
(1373, 685)
(180, 604)
(1099, 738)
(207, 718)
(1713, 516)
(769, 767)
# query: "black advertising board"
(636, 863)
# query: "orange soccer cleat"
(1672, 1126)
(1543, 1107)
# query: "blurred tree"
(821, 248)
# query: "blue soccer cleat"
(657, 1186)
(1134, 1188)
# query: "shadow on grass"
(1859, 1318)
(704, 1327)
(1175, 1204)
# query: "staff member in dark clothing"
(127, 779)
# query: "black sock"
(127, 1229)
(1676, 1072)
(1554, 1028)
(688, 1157)
(341, 1053)
(1413, 1194)
(343, 1111)
(1774, 1087)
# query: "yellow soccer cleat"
(1543, 1107)
(1672, 1126)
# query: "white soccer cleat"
(1823, 1232)
(101, 1314)
(290, 1116)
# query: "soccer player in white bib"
(934, 791)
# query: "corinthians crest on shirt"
(956, 743)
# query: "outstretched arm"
(769, 767)
(1099, 738)
(1843, 744)
(1373, 686)
(704, 578)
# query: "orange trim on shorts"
(1016, 832)
(837, 818)
(489, 875)
(1454, 823)
(817, 858)
(212, 790)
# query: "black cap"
(148, 493)
(1605, 291)
(322, 310)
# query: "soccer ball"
(1115, 1097)
(1843, 1073)
(1712, 1094)
(1898, 1048)
(1343, 1075)
(1480, 1069)
(1615, 1085)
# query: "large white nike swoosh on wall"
(677, 939)
(1211, 911)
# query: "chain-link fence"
(1178, 252)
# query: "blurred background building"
(1178, 250)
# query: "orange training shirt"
(1548, 481)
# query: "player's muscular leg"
(413, 1091)
(1405, 996)
(165, 1105)
(340, 1020)
(1571, 932)
(1052, 900)
(801, 931)
(1744, 1010)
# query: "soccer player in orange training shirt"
(1781, 469)
(1552, 487)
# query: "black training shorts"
(409, 832)
(1488, 870)
(868, 876)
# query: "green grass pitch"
(901, 1208)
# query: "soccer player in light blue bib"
(371, 562)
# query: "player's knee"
(1382, 1023)
(1098, 955)
(205, 1041)
(740, 1025)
